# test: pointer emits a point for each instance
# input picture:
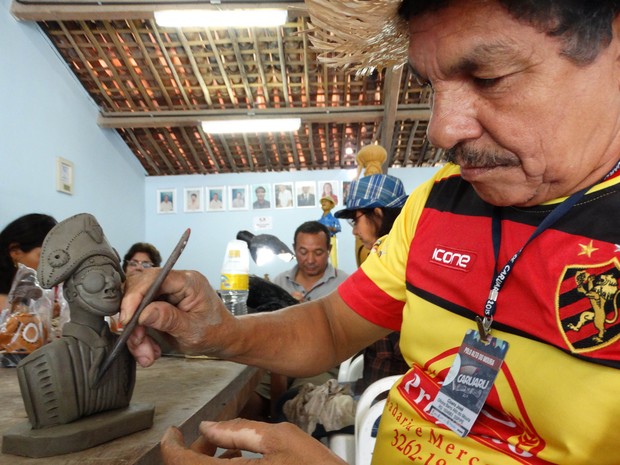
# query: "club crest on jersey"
(587, 305)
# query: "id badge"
(469, 382)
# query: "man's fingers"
(142, 347)
(202, 446)
(173, 450)
(172, 439)
(234, 434)
(279, 443)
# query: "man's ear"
(378, 212)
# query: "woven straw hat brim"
(359, 34)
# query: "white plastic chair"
(342, 444)
(352, 448)
(365, 433)
(351, 369)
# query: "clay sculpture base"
(79, 435)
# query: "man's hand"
(280, 444)
(192, 313)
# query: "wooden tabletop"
(184, 392)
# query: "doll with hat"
(333, 226)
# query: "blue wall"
(45, 114)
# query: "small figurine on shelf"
(332, 224)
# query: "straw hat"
(360, 34)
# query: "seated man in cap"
(77, 253)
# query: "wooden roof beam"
(69, 10)
(358, 114)
(391, 92)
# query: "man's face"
(312, 254)
(260, 194)
(526, 124)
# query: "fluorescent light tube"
(249, 125)
(264, 17)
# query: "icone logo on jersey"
(461, 260)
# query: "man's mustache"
(475, 158)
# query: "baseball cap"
(374, 191)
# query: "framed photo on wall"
(193, 199)
(238, 197)
(329, 189)
(305, 192)
(64, 176)
(261, 196)
(345, 191)
(283, 194)
(216, 198)
(166, 200)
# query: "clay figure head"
(77, 252)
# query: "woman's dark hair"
(25, 233)
(384, 223)
(143, 247)
(584, 26)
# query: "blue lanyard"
(500, 276)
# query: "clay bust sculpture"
(57, 381)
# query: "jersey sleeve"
(377, 290)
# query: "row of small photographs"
(302, 194)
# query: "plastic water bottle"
(234, 280)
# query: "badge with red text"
(469, 382)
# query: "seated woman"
(140, 256)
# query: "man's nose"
(454, 118)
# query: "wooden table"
(184, 392)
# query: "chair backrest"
(366, 433)
(356, 449)
(370, 394)
(351, 369)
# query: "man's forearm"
(302, 340)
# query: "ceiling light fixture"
(264, 17)
(251, 125)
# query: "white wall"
(212, 230)
(45, 114)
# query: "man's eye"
(486, 83)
